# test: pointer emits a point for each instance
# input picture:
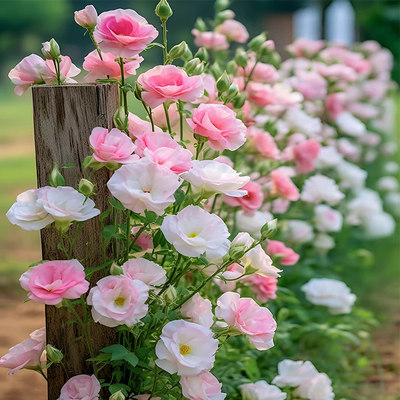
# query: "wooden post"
(64, 117)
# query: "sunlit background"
(25, 24)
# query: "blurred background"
(25, 24)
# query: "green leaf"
(151, 216)
(117, 351)
(119, 386)
(109, 231)
(131, 359)
(116, 204)
(179, 196)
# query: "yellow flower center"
(119, 301)
(193, 235)
(184, 349)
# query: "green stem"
(124, 93)
(148, 112)
(165, 50)
(128, 233)
(42, 373)
(57, 68)
(167, 118)
(250, 74)
(95, 44)
(180, 110)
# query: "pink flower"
(204, 386)
(263, 142)
(256, 322)
(338, 72)
(310, 84)
(31, 70)
(261, 72)
(26, 353)
(305, 48)
(144, 270)
(250, 202)
(199, 311)
(264, 287)
(145, 241)
(283, 186)
(81, 387)
(233, 30)
(210, 40)
(87, 18)
(280, 206)
(168, 82)
(100, 69)
(160, 120)
(118, 300)
(210, 90)
(260, 94)
(123, 32)
(305, 154)
(334, 104)
(138, 127)
(278, 249)
(52, 281)
(113, 146)
(67, 71)
(219, 124)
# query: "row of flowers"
(236, 148)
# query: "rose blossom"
(118, 300)
(331, 293)
(310, 84)
(28, 213)
(25, 354)
(204, 386)
(294, 373)
(233, 30)
(199, 311)
(159, 118)
(143, 185)
(260, 94)
(327, 219)
(67, 71)
(186, 348)
(283, 186)
(210, 177)
(168, 82)
(277, 248)
(52, 281)
(252, 222)
(138, 127)
(100, 69)
(261, 390)
(256, 322)
(81, 387)
(319, 387)
(264, 287)
(302, 47)
(280, 205)
(323, 243)
(305, 154)
(319, 188)
(263, 142)
(328, 157)
(251, 202)
(301, 122)
(193, 231)
(260, 72)
(144, 240)
(350, 125)
(210, 40)
(144, 270)
(86, 18)
(123, 32)
(219, 124)
(298, 231)
(112, 146)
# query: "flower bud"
(138, 92)
(51, 50)
(233, 91)
(216, 70)
(117, 396)
(221, 5)
(87, 18)
(115, 269)
(53, 355)
(224, 15)
(231, 67)
(241, 58)
(187, 55)
(85, 187)
(191, 65)
(268, 229)
(170, 295)
(223, 82)
(202, 54)
(177, 51)
(257, 41)
(200, 25)
(237, 251)
(163, 10)
(199, 69)
(238, 101)
(121, 119)
(55, 178)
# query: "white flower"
(143, 185)
(199, 311)
(319, 188)
(366, 203)
(210, 177)
(252, 222)
(302, 122)
(392, 201)
(194, 231)
(144, 270)
(317, 388)
(388, 184)
(186, 348)
(379, 225)
(328, 157)
(350, 125)
(331, 293)
(28, 213)
(261, 390)
(323, 243)
(294, 373)
(327, 219)
(298, 231)
(391, 167)
(351, 176)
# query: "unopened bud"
(231, 67)
(178, 51)
(121, 119)
(199, 69)
(117, 396)
(237, 251)
(138, 91)
(163, 10)
(53, 355)
(257, 41)
(187, 55)
(268, 229)
(170, 295)
(233, 91)
(224, 15)
(241, 58)
(216, 70)
(51, 50)
(55, 178)
(275, 59)
(223, 82)
(239, 100)
(85, 187)
(221, 5)
(191, 65)
(200, 25)
(87, 18)
(115, 269)
(202, 54)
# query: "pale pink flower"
(31, 70)
(219, 124)
(138, 127)
(260, 72)
(299, 232)
(277, 248)
(168, 82)
(25, 354)
(320, 188)
(334, 104)
(194, 231)
(233, 30)
(338, 72)
(319, 387)
(67, 71)
(210, 40)
(199, 311)
(204, 386)
(145, 241)
(123, 32)
(256, 322)
(81, 387)
(52, 281)
(159, 118)
(112, 146)
(283, 186)
(144, 270)
(210, 90)
(261, 390)
(381, 61)
(263, 142)
(118, 300)
(310, 84)
(302, 47)
(327, 219)
(280, 205)
(87, 17)
(251, 202)
(252, 222)
(224, 160)
(294, 373)
(100, 69)
(264, 287)
(305, 154)
(144, 185)
(350, 125)
(260, 94)
(186, 348)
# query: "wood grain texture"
(64, 117)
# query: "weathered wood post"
(64, 117)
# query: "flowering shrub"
(209, 293)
